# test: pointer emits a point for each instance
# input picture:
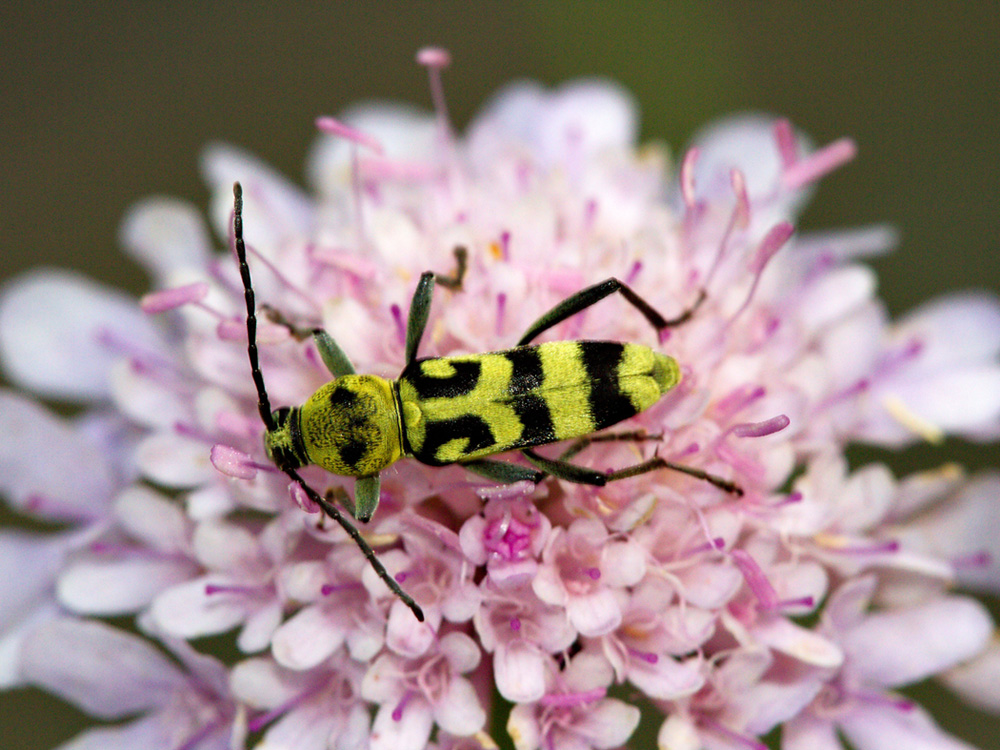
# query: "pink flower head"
(701, 588)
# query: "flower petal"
(108, 587)
(949, 629)
(104, 671)
(307, 638)
(52, 470)
(60, 334)
(166, 235)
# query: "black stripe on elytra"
(351, 444)
(460, 382)
(526, 378)
(608, 404)
(444, 431)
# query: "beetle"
(463, 409)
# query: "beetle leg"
(593, 294)
(503, 472)
(366, 496)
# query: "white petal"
(594, 614)
(523, 728)
(768, 703)
(259, 628)
(875, 727)
(610, 723)
(624, 564)
(458, 711)
(950, 630)
(151, 731)
(153, 518)
(962, 527)
(667, 679)
(307, 639)
(962, 399)
(837, 294)
(273, 208)
(411, 732)
(13, 635)
(519, 671)
(461, 651)
(187, 611)
(107, 587)
(262, 684)
(104, 671)
(959, 328)
(583, 118)
(53, 331)
(174, 460)
(805, 732)
(29, 564)
(52, 468)
(710, 585)
(165, 235)
(221, 545)
(308, 727)
(679, 732)
(805, 645)
(977, 681)
(745, 142)
(405, 635)
(146, 400)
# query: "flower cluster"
(804, 603)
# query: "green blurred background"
(106, 102)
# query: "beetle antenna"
(264, 407)
(333, 512)
(263, 404)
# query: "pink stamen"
(397, 712)
(819, 163)
(435, 60)
(715, 545)
(645, 656)
(981, 559)
(505, 245)
(741, 213)
(760, 429)
(515, 624)
(570, 700)
(501, 308)
(736, 737)
(212, 589)
(232, 462)
(169, 299)
(687, 178)
(593, 573)
(231, 330)
(795, 497)
(785, 140)
(302, 499)
(328, 589)
(340, 129)
(739, 399)
(397, 318)
(890, 546)
(633, 272)
(761, 587)
(773, 241)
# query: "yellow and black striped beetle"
(461, 409)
